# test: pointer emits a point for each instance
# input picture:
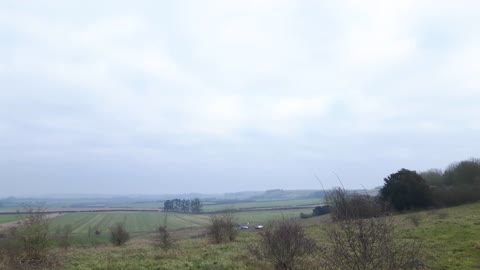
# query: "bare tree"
(284, 244)
(363, 238)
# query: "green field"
(8, 218)
(137, 222)
(261, 204)
(211, 206)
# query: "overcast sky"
(150, 97)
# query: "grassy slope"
(451, 236)
(451, 239)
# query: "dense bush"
(433, 177)
(284, 244)
(466, 172)
(321, 210)
(406, 190)
(28, 246)
(222, 228)
(346, 205)
(460, 183)
(118, 234)
(444, 196)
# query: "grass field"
(284, 203)
(148, 221)
(212, 206)
(451, 240)
(8, 218)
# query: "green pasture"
(148, 221)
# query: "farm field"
(8, 218)
(451, 240)
(211, 206)
(137, 222)
(261, 204)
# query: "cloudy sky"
(150, 97)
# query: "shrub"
(222, 228)
(368, 244)
(284, 244)
(303, 215)
(445, 196)
(321, 210)
(33, 234)
(118, 234)
(433, 177)
(27, 247)
(406, 190)
(466, 172)
(65, 236)
(163, 239)
(345, 205)
(362, 236)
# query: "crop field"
(261, 204)
(8, 218)
(211, 206)
(137, 222)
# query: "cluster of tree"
(182, 205)
(317, 211)
(458, 184)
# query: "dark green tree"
(405, 190)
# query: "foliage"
(283, 244)
(406, 190)
(222, 228)
(466, 172)
(186, 206)
(118, 234)
(459, 184)
(33, 233)
(321, 210)
(346, 205)
(433, 177)
(27, 247)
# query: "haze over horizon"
(162, 97)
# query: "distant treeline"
(183, 205)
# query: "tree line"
(183, 205)
(459, 183)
